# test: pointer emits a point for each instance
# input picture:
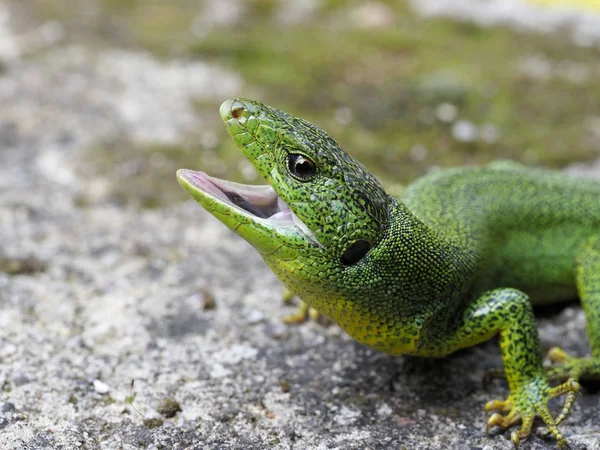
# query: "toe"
(558, 355)
(498, 405)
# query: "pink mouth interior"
(258, 200)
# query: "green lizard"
(459, 258)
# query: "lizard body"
(459, 258)
(491, 209)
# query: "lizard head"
(321, 212)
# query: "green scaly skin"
(459, 258)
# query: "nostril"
(236, 112)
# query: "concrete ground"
(127, 328)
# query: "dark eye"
(355, 252)
(301, 167)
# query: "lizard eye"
(301, 167)
(355, 252)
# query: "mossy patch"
(378, 91)
(169, 408)
(388, 83)
(153, 423)
(128, 173)
(21, 266)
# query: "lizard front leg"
(587, 279)
(508, 312)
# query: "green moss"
(21, 266)
(142, 175)
(392, 80)
(385, 84)
(131, 397)
(284, 385)
(169, 408)
(153, 423)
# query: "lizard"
(460, 257)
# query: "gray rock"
(100, 387)
(583, 22)
(7, 407)
(121, 298)
(20, 379)
(464, 131)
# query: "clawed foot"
(303, 313)
(567, 366)
(528, 401)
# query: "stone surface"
(103, 313)
(584, 22)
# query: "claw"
(572, 367)
(299, 316)
(302, 314)
(517, 436)
(558, 355)
(502, 405)
(571, 388)
(545, 433)
(530, 401)
(503, 421)
(494, 420)
(287, 296)
(314, 314)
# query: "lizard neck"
(414, 269)
(388, 299)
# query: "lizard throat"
(260, 202)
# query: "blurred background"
(127, 91)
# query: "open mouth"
(260, 202)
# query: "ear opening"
(355, 252)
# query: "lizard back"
(527, 225)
